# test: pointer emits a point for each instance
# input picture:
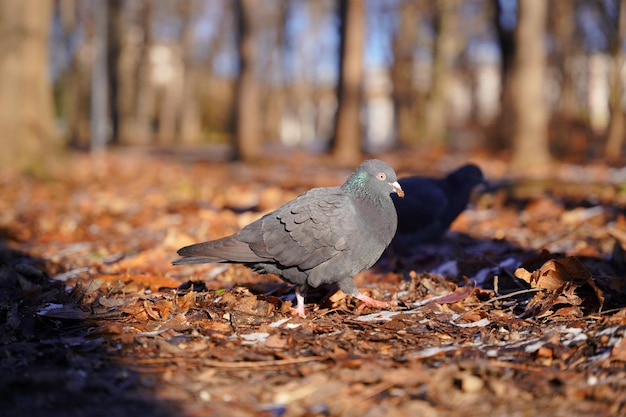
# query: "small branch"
(220, 364)
(502, 297)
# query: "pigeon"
(431, 205)
(324, 236)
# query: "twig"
(221, 364)
(275, 362)
(502, 297)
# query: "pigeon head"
(373, 178)
(467, 176)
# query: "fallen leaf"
(618, 352)
(566, 277)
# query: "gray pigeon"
(431, 205)
(324, 236)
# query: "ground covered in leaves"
(520, 310)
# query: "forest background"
(131, 128)
(539, 79)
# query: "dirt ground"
(519, 311)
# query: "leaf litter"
(520, 309)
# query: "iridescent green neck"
(356, 185)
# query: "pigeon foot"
(299, 309)
(369, 301)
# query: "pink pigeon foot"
(369, 301)
(299, 304)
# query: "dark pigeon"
(324, 236)
(431, 205)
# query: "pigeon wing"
(305, 232)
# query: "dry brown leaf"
(564, 276)
(276, 341)
(187, 301)
(618, 352)
(461, 293)
(90, 227)
(152, 313)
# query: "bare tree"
(502, 129)
(402, 72)
(26, 115)
(73, 83)
(274, 91)
(114, 50)
(617, 125)
(530, 123)
(247, 116)
(446, 49)
(347, 140)
(188, 117)
(562, 16)
(146, 95)
(99, 78)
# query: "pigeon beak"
(397, 189)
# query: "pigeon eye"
(381, 176)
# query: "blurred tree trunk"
(617, 128)
(446, 46)
(502, 128)
(128, 79)
(99, 78)
(301, 94)
(27, 129)
(402, 73)
(114, 50)
(347, 140)
(506, 40)
(170, 100)
(73, 85)
(146, 95)
(563, 21)
(275, 90)
(246, 112)
(530, 134)
(188, 114)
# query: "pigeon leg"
(348, 287)
(300, 303)
(369, 301)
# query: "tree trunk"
(502, 128)
(617, 125)
(247, 116)
(128, 79)
(564, 25)
(73, 86)
(347, 141)
(99, 79)
(530, 123)
(171, 95)
(402, 73)
(188, 115)
(114, 49)
(26, 113)
(446, 46)
(146, 94)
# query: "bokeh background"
(532, 81)
(132, 128)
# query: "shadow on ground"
(52, 361)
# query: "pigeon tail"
(197, 260)
(227, 249)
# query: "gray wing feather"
(221, 250)
(305, 232)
